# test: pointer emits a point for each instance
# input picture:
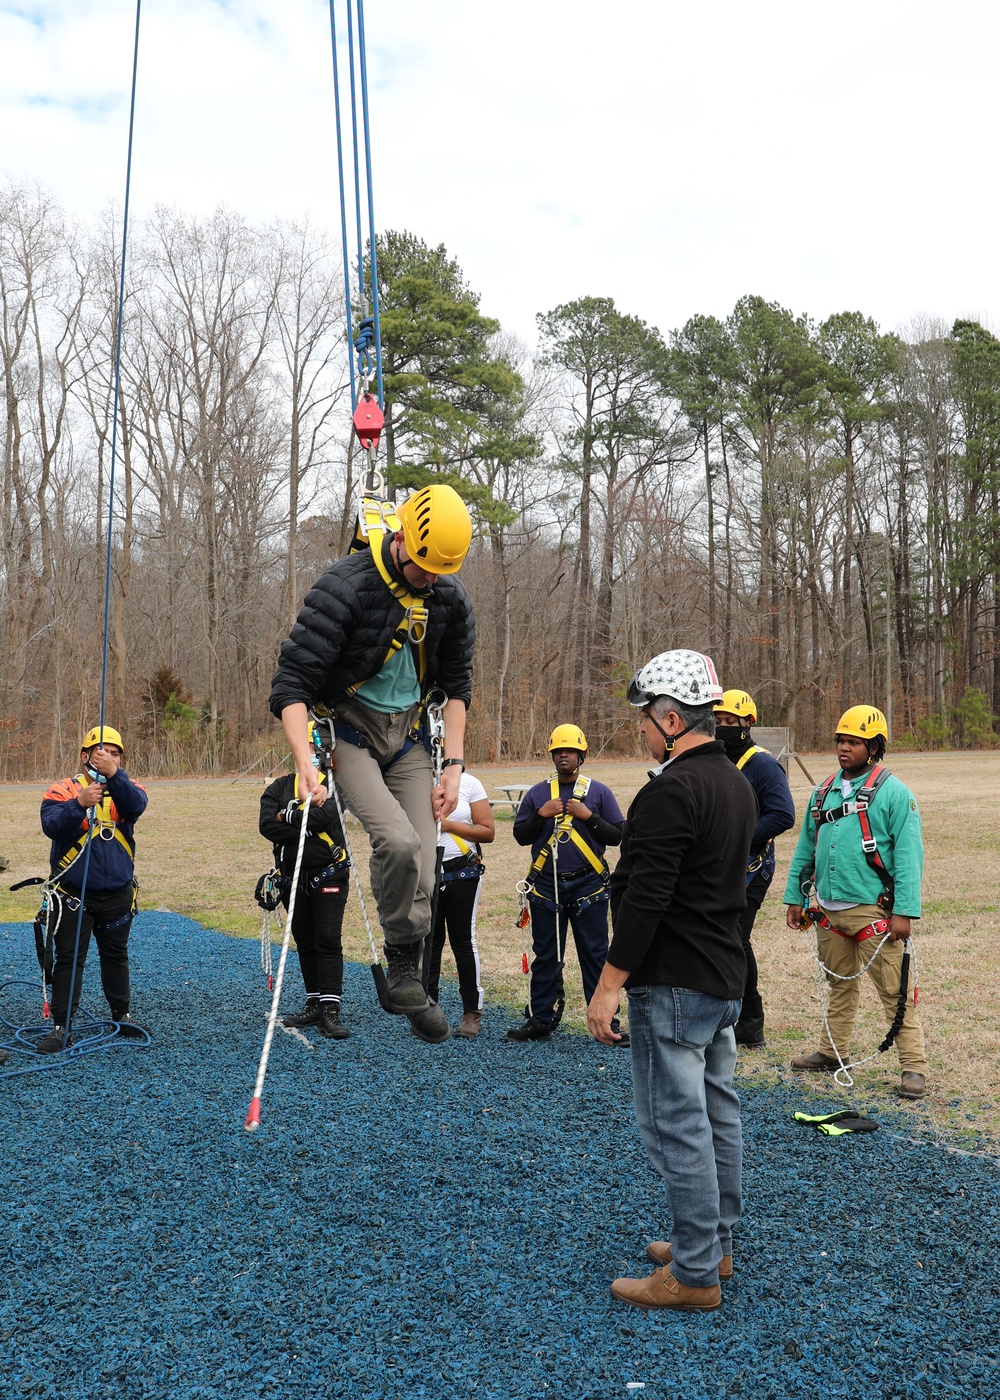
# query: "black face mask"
(733, 740)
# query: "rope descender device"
(368, 422)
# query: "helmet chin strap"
(669, 740)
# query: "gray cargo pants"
(394, 807)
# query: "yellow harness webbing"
(324, 836)
(413, 624)
(746, 757)
(101, 814)
(565, 830)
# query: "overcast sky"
(673, 156)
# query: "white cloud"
(673, 156)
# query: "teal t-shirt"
(395, 688)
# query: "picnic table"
(514, 793)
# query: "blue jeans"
(683, 1058)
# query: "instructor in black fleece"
(676, 899)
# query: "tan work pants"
(394, 807)
(846, 956)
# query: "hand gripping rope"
(253, 1113)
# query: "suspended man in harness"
(861, 847)
(101, 795)
(381, 634)
(568, 821)
(735, 713)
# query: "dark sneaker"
(330, 1025)
(52, 1043)
(750, 1032)
(406, 989)
(3, 1055)
(626, 1039)
(130, 1029)
(531, 1030)
(430, 1024)
(308, 1016)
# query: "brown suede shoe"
(662, 1290)
(660, 1253)
(912, 1085)
(814, 1061)
(468, 1027)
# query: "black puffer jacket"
(344, 627)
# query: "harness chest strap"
(106, 818)
(413, 624)
(564, 827)
(323, 836)
(859, 808)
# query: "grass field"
(200, 855)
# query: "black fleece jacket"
(344, 627)
(680, 885)
(284, 833)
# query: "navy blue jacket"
(64, 820)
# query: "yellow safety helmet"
(863, 722)
(568, 736)
(437, 529)
(97, 735)
(739, 703)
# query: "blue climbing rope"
(95, 1038)
(367, 343)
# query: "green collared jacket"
(843, 875)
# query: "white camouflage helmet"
(686, 676)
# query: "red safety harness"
(858, 807)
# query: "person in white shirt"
(469, 827)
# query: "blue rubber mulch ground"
(442, 1221)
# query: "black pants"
(752, 1004)
(99, 911)
(456, 913)
(316, 928)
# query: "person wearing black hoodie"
(734, 715)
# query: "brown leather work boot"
(662, 1290)
(660, 1253)
(912, 1085)
(816, 1060)
(468, 1027)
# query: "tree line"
(814, 503)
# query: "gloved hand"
(292, 814)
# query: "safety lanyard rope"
(368, 342)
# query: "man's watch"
(449, 761)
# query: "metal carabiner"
(416, 626)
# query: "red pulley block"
(368, 420)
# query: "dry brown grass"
(200, 855)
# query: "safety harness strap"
(859, 808)
(413, 624)
(564, 829)
(746, 757)
(107, 820)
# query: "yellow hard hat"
(739, 703)
(97, 735)
(437, 529)
(568, 736)
(863, 722)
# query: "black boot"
(532, 1030)
(406, 989)
(750, 1032)
(308, 1016)
(430, 1024)
(52, 1043)
(330, 1025)
(128, 1028)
